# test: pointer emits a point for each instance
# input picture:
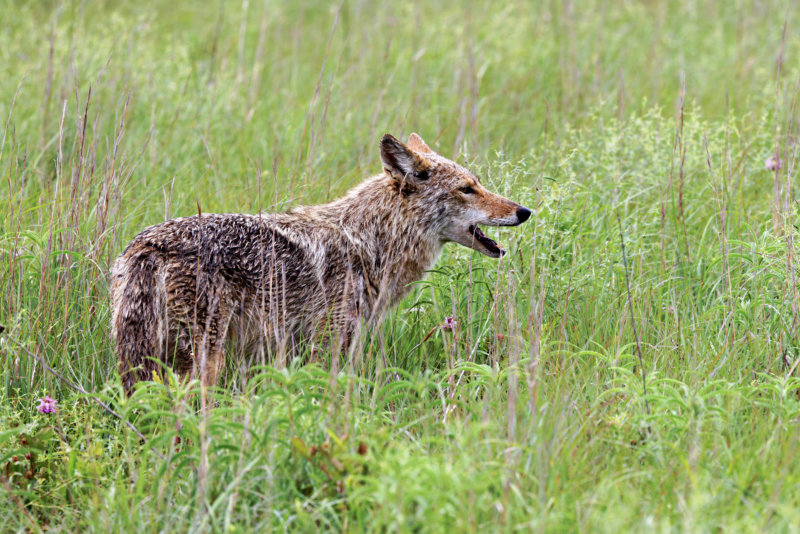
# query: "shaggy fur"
(183, 289)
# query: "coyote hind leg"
(209, 354)
(187, 352)
(180, 353)
(214, 364)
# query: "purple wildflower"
(449, 324)
(773, 163)
(47, 405)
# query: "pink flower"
(449, 324)
(773, 163)
(47, 405)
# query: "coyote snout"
(185, 288)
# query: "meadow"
(587, 386)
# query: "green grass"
(531, 416)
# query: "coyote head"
(452, 198)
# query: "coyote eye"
(467, 190)
(421, 175)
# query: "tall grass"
(530, 414)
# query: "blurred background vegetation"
(219, 90)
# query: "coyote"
(183, 289)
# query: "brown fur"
(315, 274)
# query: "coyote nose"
(522, 214)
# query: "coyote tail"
(139, 319)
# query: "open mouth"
(489, 243)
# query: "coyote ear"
(415, 142)
(398, 160)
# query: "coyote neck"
(391, 237)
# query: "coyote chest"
(185, 289)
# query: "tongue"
(487, 242)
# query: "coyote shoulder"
(185, 288)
